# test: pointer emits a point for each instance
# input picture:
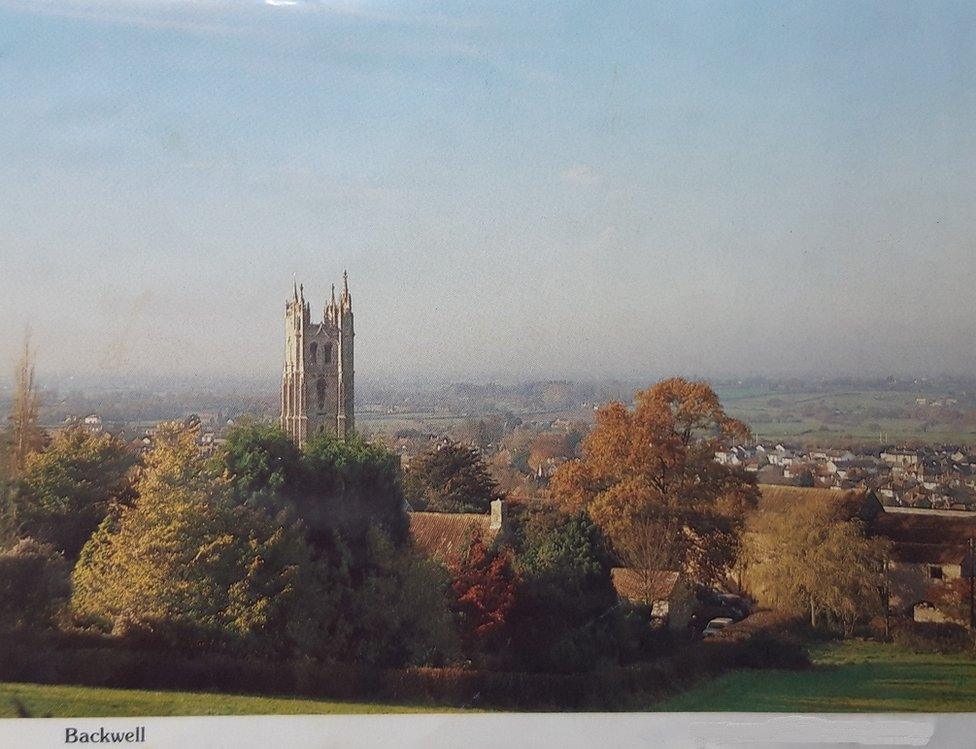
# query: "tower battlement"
(317, 384)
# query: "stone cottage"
(668, 593)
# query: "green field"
(847, 677)
(862, 416)
(41, 701)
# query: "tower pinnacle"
(346, 297)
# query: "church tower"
(317, 392)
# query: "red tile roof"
(629, 584)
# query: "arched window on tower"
(327, 352)
(313, 352)
(320, 388)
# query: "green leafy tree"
(348, 486)
(451, 478)
(262, 464)
(65, 491)
(400, 613)
(337, 488)
(185, 566)
(564, 615)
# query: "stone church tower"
(317, 384)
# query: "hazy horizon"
(518, 193)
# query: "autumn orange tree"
(648, 478)
(484, 586)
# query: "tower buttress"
(293, 383)
(346, 422)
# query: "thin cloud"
(142, 12)
(195, 17)
(580, 175)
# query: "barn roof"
(441, 535)
(858, 503)
(925, 538)
(909, 553)
(925, 529)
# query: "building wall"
(680, 607)
(910, 583)
(321, 379)
(677, 609)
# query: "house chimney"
(498, 519)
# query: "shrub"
(103, 661)
(767, 639)
(932, 637)
(33, 584)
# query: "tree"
(549, 446)
(510, 482)
(648, 478)
(34, 584)
(565, 549)
(25, 436)
(336, 487)
(518, 445)
(185, 566)
(348, 486)
(563, 616)
(450, 478)
(400, 615)
(65, 491)
(482, 432)
(484, 585)
(9, 525)
(262, 463)
(811, 558)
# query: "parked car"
(739, 607)
(715, 603)
(716, 625)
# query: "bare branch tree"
(25, 435)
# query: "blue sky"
(518, 190)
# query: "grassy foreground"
(847, 677)
(78, 702)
